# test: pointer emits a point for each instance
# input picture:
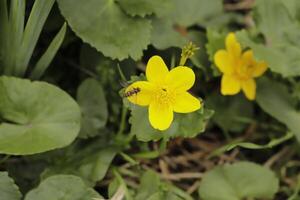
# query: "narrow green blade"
(47, 57)
(34, 25)
(15, 34)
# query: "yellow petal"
(180, 78)
(160, 116)
(230, 85)
(224, 62)
(248, 58)
(156, 70)
(249, 88)
(185, 103)
(232, 45)
(140, 93)
(260, 68)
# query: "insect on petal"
(140, 93)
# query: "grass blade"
(15, 29)
(47, 57)
(34, 25)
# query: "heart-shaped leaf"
(36, 117)
(103, 24)
(238, 181)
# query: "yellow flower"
(239, 68)
(164, 92)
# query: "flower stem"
(123, 119)
(182, 61)
(121, 74)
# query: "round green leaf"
(36, 117)
(8, 189)
(66, 187)
(145, 7)
(238, 181)
(91, 98)
(103, 24)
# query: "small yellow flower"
(164, 92)
(239, 68)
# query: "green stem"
(163, 144)
(128, 158)
(121, 74)
(123, 119)
(182, 61)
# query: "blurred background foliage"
(67, 133)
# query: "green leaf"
(184, 125)
(64, 187)
(36, 117)
(282, 50)
(187, 13)
(275, 99)
(8, 189)
(103, 25)
(238, 181)
(48, 56)
(271, 144)
(248, 145)
(270, 13)
(90, 161)
(91, 99)
(145, 7)
(150, 184)
(292, 6)
(231, 112)
(164, 34)
(216, 41)
(283, 59)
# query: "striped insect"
(132, 92)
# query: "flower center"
(164, 96)
(244, 72)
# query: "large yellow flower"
(164, 92)
(239, 68)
